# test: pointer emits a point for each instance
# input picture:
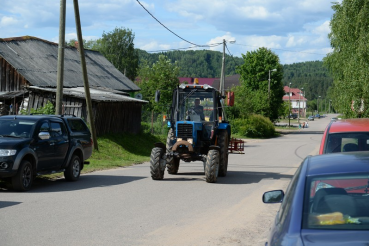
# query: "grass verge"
(118, 150)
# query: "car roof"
(350, 125)
(338, 163)
(36, 117)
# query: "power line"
(210, 45)
(230, 54)
(169, 29)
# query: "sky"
(297, 31)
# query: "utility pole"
(84, 72)
(298, 117)
(60, 69)
(221, 86)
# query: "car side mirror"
(274, 196)
(157, 96)
(44, 135)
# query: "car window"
(16, 128)
(77, 125)
(287, 201)
(44, 127)
(339, 202)
(58, 129)
(347, 142)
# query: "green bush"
(47, 109)
(255, 126)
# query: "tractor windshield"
(195, 105)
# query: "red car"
(345, 136)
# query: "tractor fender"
(159, 145)
(183, 142)
(214, 147)
(225, 126)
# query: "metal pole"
(289, 105)
(298, 113)
(60, 68)
(84, 72)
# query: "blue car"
(326, 202)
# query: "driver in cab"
(199, 110)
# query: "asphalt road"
(126, 207)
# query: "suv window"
(77, 125)
(58, 129)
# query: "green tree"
(117, 46)
(163, 76)
(252, 95)
(87, 44)
(349, 60)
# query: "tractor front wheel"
(212, 166)
(172, 162)
(157, 169)
(223, 141)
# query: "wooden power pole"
(84, 72)
(60, 69)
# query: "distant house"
(296, 97)
(28, 79)
(229, 82)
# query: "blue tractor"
(199, 131)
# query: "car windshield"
(347, 141)
(195, 105)
(17, 128)
(337, 202)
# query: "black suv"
(32, 145)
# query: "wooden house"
(28, 79)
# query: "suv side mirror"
(157, 96)
(44, 135)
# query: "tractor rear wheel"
(172, 162)
(223, 141)
(157, 169)
(212, 166)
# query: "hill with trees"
(199, 63)
(312, 76)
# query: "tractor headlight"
(7, 152)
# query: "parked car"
(326, 202)
(345, 135)
(293, 116)
(32, 145)
(311, 118)
(317, 116)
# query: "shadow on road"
(233, 177)
(41, 185)
(241, 177)
(8, 204)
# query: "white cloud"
(7, 21)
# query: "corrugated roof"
(36, 60)
(96, 94)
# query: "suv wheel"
(73, 171)
(22, 181)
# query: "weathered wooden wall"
(110, 117)
(113, 117)
(10, 79)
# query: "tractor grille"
(185, 131)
